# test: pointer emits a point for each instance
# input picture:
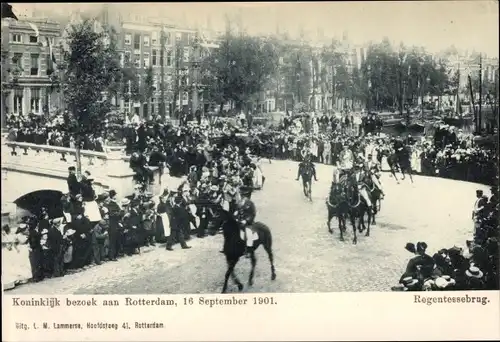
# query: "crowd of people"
(222, 170)
(475, 268)
(96, 228)
(447, 152)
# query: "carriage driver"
(346, 161)
(245, 215)
(358, 178)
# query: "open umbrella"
(35, 201)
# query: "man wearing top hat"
(114, 211)
(178, 224)
(88, 195)
(73, 183)
(132, 225)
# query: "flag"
(34, 28)
(51, 58)
(7, 12)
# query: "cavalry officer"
(358, 178)
(245, 215)
(307, 162)
(373, 170)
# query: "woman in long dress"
(415, 159)
(163, 219)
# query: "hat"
(474, 272)
(441, 283)
(214, 188)
(112, 193)
(410, 247)
(148, 194)
(409, 282)
(421, 246)
(71, 168)
(79, 197)
(103, 196)
(70, 232)
(125, 201)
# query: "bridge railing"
(109, 169)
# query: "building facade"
(141, 44)
(26, 66)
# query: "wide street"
(307, 257)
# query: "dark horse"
(375, 196)
(338, 206)
(234, 248)
(357, 208)
(306, 171)
(398, 161)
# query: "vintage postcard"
(250, 171)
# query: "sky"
(435, 25)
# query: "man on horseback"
(373, 170)
(307, 164)
(358, 177)
(245, 215)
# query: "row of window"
(135, 39)
(19, 38)
(35, 101)
(154, 101)
(183, 81)
(153, 60)
(34, 67)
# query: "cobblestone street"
(307, 257)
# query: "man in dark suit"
(114, 210)
(478, 213)
(178, 225)
(73, 183)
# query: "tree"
(90, 66)
(149, 89)
(239, 69)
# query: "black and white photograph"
(207, 148)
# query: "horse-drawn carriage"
(345, 202)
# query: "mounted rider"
(358, 177)
(245, 215)
(373, 169)
(307, 162)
